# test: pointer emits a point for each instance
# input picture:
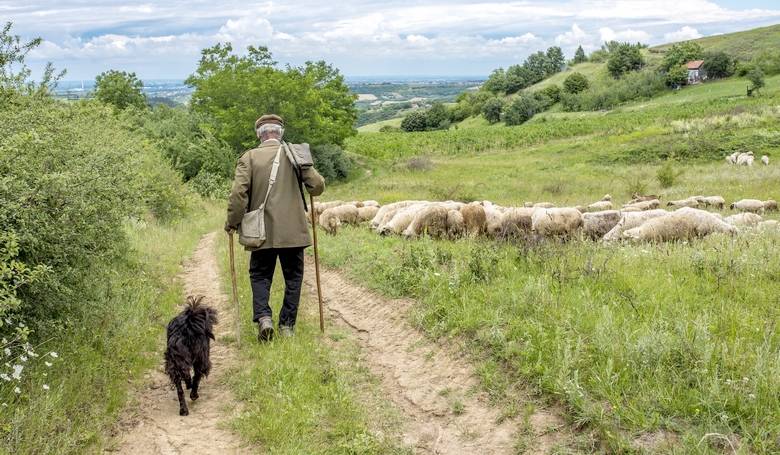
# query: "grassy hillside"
(374, 127)
(742, 45)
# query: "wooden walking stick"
(235, 288)
(316, 261)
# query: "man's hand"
(230, 230)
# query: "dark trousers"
(261, 274)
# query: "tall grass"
(102, 353)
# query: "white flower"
(4, 341)
(17, 374)
(752, 396)
(17, 390)
(5, 405)
(7, 351)
(48, 364)
(46, 387)
(5, 377)
(23, 358)
(53, 354)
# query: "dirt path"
(433, 386)
(156, 427)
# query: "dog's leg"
(188, 381)
(183, 411)
(195, 384)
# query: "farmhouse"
(696, 72)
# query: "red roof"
(695, 64)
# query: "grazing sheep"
(367, 212)
(631, 208)
(544, 205)
(712, 201)
(599, 206)
(515, 222)
(684, 224)
(607, 197)
(330, 219)
(732, 159)
(765, 160)
(387, 212)
(748, 205)
(746, 219)
(769, 225)
(401, 220)
(474, 218)
(745, 159)
(650, 204)
(596, 224)
(631, 220)
(528, 204)
(636, 197)
(371, 203)
(320, 207)
(556, 222)
(492, 220)
(770, 205)
(431, 220)
(456, 225)
(687, 202)
(581, 208)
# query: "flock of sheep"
(640, 219)
(745, 159)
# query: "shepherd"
(267, 207)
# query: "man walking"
(286, 229)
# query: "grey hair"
(267, 128)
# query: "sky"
(163, 39)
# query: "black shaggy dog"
(188, 348)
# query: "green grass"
(105, 352)
(374, 127)
(588, 69)
(631, 340)
(742, 45)
(310, 394)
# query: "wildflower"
(752, 396)
(46, 387)
(17, 390)
(7, 351)
(53, 354)
(48, 364)
(23, 358)
(5, 377)
(17, 374)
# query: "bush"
(552, 91)
(414, 121)
(520, 110)
(120, 89)
(210, 185)
(756, 78)
(437, 117)
(579, 56)
(624, 58)
(389, 129)
(718, 65)
(667, 175)
(681, 53)
(575, 83)
(633, 86)
(419, 163)
(331, 162)
(677, 76)
(491, 110)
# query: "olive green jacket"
(285, 218)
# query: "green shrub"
(632, 86)
(210, 185)
(681, 53)
(552, 91)
(491, 110)
(624, 58)
(667, 175)
(677, 76)
(120, 89)
(575, 83)
(414, 121)
(520, 110)
(579, 56)
(331, 162)
(756, 78)
(389, 129)
(718, 65)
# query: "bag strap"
(274, 171)
(298, 172)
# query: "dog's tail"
(193, 302)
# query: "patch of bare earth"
(153, 424)
(435, 388)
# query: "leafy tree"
(575, 83)
(414, 121)
(14, 73)
(537, 65)
(491, 110)
(756, 78)
(555, 60)
(520, 110)
(579, 56)
(517, 77)
(681, 53)
(718, 65)
(120, 89)
(552, 91)
(436, 117)
(677, 76)
(234, 90)
(623, 58)
(496, 82)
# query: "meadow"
(674, 344)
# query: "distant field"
(742, 45)
(374, 127)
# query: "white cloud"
(573, 37)
(522, 40)
(683, 34)
(629, 35)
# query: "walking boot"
(286, 331)
(265, 329)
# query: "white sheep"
(387, 212)
(430, 219)
(474, 219)
(515, 222)
(331, 218)
(687, 202)
(748, 205)
(492, 220)
(770, 205)
(456, 224)
(711, 201)
(555, 222)
(769, 225)
(732, 159)
(631, 220)
(684, 224)
(544, 205)
(650, 204)
(320, 207)
(745, 159)
(371, 203)
(596, 224)
(765, 160)
(367, 212)
(401, 219)
(745, 219)
(599, 206)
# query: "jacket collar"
(270, 142)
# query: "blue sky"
(162, 39)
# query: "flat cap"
(269, 118)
